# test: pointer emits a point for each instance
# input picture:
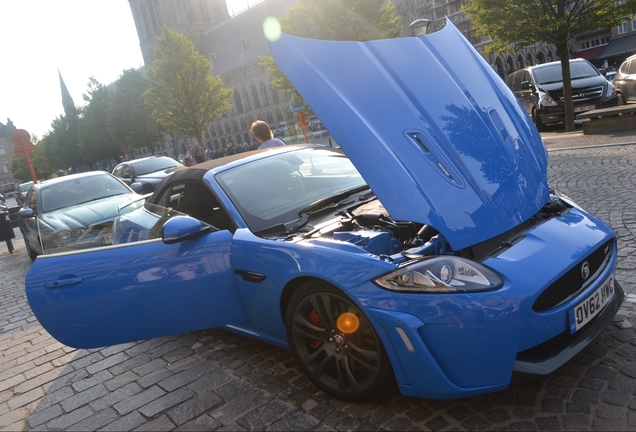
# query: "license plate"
(584, 108)
(585, 311)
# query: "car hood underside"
(429, 125)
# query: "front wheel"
(541, 127)
(336, 345)
(620, 99)
(32, 254)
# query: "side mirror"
(126, 176)
(136, 187)
(525, 85)
(26, 213)
(181, 228)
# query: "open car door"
(146, 288)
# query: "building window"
(622, 28)
(5, 166)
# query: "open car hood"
(429, 125)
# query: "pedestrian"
(189, 160)
(198, 152)
(263, 134)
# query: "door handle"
(63, 282)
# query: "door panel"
(135, 291)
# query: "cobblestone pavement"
(215, 380)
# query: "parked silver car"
(23, 188)
(625, 81)
(72, 212)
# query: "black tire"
(353, 367)
(32, 254)
(620, 99)
(541, 127)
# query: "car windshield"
(76, 191)
(272, 191)
(24, 187)
(152, 165)
(552, 73)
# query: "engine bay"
(371, 227)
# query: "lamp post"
(420, 26)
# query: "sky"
(80, 38)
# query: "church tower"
(67, 101)
(189, 17)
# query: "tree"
(182, 94)
(346, 20)
(95, 141)
(520, 23)
(61, 148)
(130, 120)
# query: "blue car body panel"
(406, 110)
(441, 141)
(138, 291)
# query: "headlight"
(442, 274)
(64, 235)
(546, 100)
(611, 91)
(78, 232)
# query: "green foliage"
(130, 120)
(182, 94)
(346, 20)
(94, 140)
(352, 20)
(551, 21)
(62, 149)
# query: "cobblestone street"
(215, 380)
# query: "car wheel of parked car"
(32, 254)
(336, 345)
(541, 127)
(620, 99)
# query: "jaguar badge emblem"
(585, 270)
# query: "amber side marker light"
(348, 323)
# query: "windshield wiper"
(305, 213)
(322, 202)
(327, 203)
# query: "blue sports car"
(430, 252)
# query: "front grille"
(585, 94)
(572, 282)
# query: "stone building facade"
(233, 46)
(190, 17)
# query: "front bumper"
(565, 345)
(448, 346)
(557, 114)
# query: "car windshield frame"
(76, 191)
(273, 191)
(151, 165)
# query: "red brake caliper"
(315, 318)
